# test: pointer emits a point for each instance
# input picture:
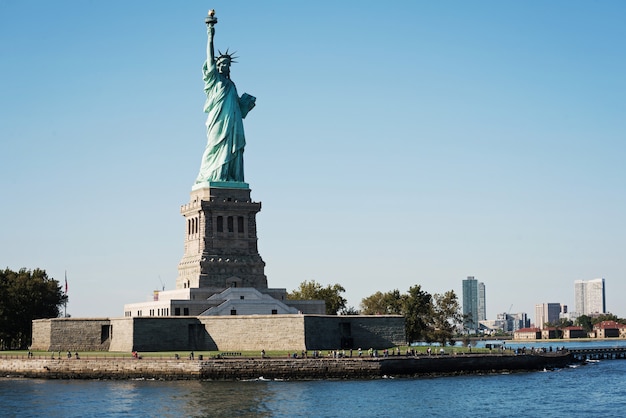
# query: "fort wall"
(212, 333)
(62, 334)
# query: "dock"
(598, 353)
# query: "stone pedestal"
(221, 240)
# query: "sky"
(414, 142)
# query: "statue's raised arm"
(222, 161)
(210, 21)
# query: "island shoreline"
(280, 368)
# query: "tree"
(604, 317)
(350, 310)
(585, 322)
(389, 303)
(447, 316)
(558, 325)
(416, 306)
(418, 313)
(429, 318)
(468, 323)
(24, 296)
(311, 290)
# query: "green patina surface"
(221, 185)
(222, 160)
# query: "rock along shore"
(277, 368)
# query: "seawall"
(294, 369)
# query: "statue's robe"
(223, 157)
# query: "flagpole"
(65, 301)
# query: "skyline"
(417, 143)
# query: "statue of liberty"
(222, 160)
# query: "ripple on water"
(591, 390)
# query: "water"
(571, 344)
(594, 390)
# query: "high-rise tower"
(590, 296)
(482, 302)
(547, 313)
(474, 302)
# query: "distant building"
(527, 334)
(547, 313)
(513, 322)
(574, 332)
(482, 302)
(551, 333)
(590, 297)
(604, 329)
(474, 303)
(505, 322)
(609, 329)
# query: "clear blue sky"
(413, 142)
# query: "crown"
(226, 55)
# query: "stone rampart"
(41, 334)
(256, 332)
(87, 334)
(122, 331)
(169, 334)
(352, 331)
(224, 333)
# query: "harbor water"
(596, 389)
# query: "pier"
(598, 353)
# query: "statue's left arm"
(246, 103)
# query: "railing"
(229, 354)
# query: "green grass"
(421, 350)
